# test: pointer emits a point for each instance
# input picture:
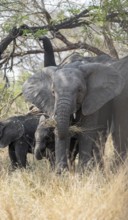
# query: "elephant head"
(63, 91)
(10, 130)
(44, 138)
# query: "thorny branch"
(67, 23)
(75, 21)
(9, 104)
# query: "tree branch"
(14, 33)
(78, 45)
(75, 21)
(109, 40)
(65, 24)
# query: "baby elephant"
(45, 142)
(17, 133)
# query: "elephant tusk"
(74, 115)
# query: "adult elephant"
(84, 90)
(43, 133)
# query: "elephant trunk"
(63, 118)
(39, 150)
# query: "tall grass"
(38, 194)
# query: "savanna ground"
(38, 194)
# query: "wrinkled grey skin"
(18, 134)
(45, 138)
(83, 89)
(44, 142)
(101, 117)
(77, 58)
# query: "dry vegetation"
(38, 194)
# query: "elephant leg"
(52, 161)
(87, 139)
(85, 150)
(121, 146)
(61, 153)
(105, 126)
(73, 151)
(21, 149)
(51, 157)
(99, 148)
(12, 155)
(120, 135)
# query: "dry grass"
(51, 122)
(38, 194)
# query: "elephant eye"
(79, 89)
(52, 90)
(53, 93)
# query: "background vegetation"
(91, 28)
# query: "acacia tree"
(96, 27)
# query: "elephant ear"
(37, 90)
(103, 84)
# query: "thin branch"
(78, 45)
(14, 33)
(11, 102)
(109, 40)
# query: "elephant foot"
(61, 169)
(85, 166)
(16, 166)
(13, 167)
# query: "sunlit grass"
(38, 194)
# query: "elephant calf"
(45, 140)
(17, 133)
